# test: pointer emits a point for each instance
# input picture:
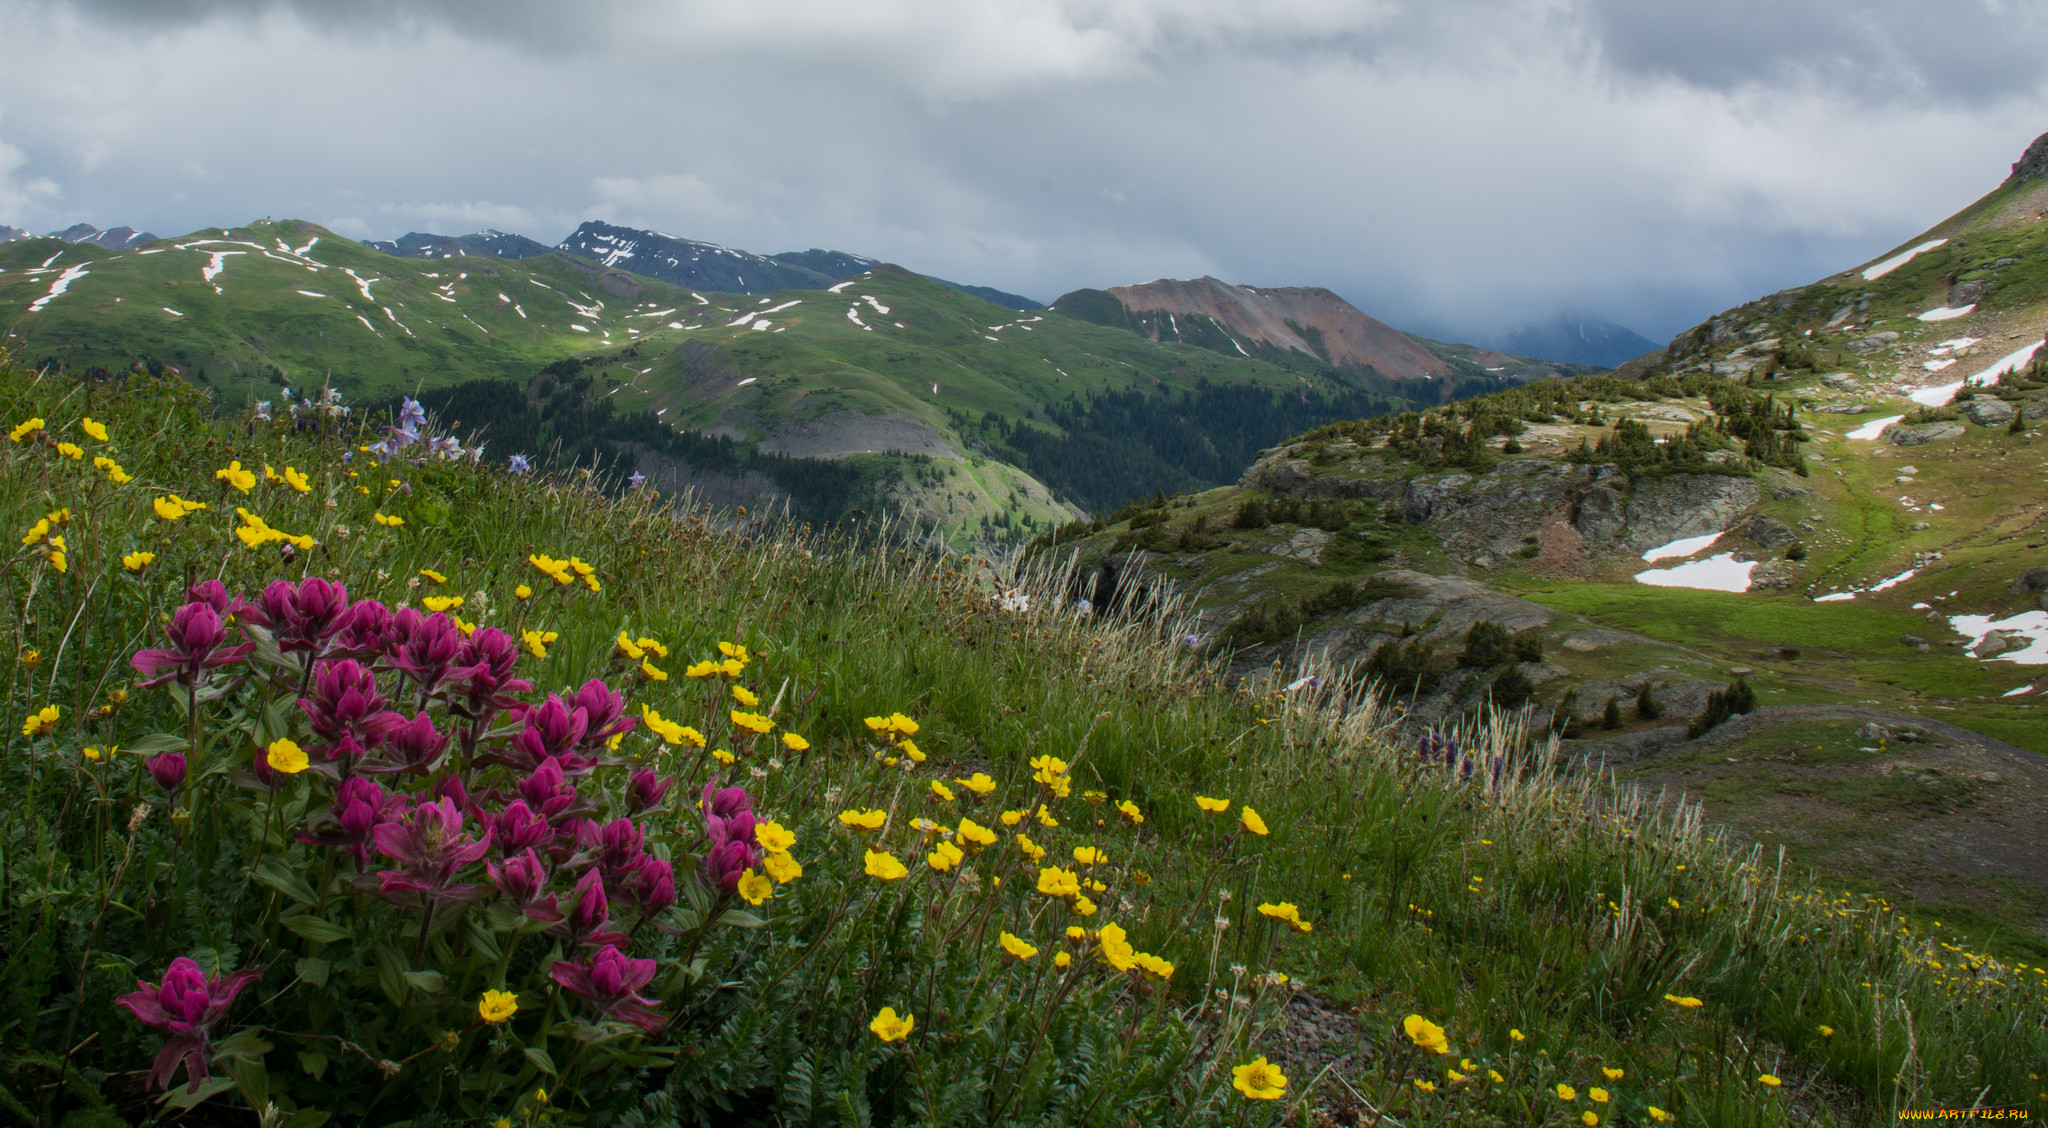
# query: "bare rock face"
(1439, 608)
(1662, 510)
(1769, 532)
(2033, 164)
(2033, 579)
(1898, 434)
(1987, 412)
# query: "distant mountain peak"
(1216, 314)
(1576, 336)
(2033, 164)
(118, 239)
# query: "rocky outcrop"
(1662, 510)
(1987, 412)
(2031, 580)
(1769, 532)
(2033, 164)
(1899, 434)
(1437, 608)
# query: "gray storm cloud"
(1453, 165)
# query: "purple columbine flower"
(445, 446)
(196, 635)
(519, 465)
(589, 920)
(523, 880)
(187, 1003)
(611, 982)
(431, 847)
(263, 411)
(411, 415)
(636, 481)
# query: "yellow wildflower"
(1154, 966)
(1056, 882)
(387, 521)
(943, 792)
(1517, 1035)
(1017, 948)
(864, 820)
(784, 868)
(1422, 1031)
(522, 592)
(434, 576)
(1425, 1086)
(94, 429)
(724, 757)
(911, 750)
(652, 672)
(237, 478)
(1683, 1000)
(889, 1028)
(1658, 1114)
(1130, 811)
(1589, 1118)
(25, 428)
(497, 1006)
(794, 743)
(745, 696)
(629, 648)
(537, 642)
(1613, 1074)
(1767, 1079)
(112, 469)
(284, 755)
(882, 864)
(1597, 1095)
(944, 856)
(752, 722)
(1061, 960)
(1288, 914)
(439, 603)
(42, 720)
(1029, 848)
(72, 451)
(1566, 1092)
(774, 837)
(976, 836)
(979, 783)
(1212, 806)
(1011, 818)
(755, 888)
(1091, 856)
(1259, 1080)
(1251, 821)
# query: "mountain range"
(118, 239)
(672, 258)
(860, 378)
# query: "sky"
(1451, 166)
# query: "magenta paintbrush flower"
(523, 881)
(196, 635)
(302, 617)
(431, 847)
(167, 769)
(611, 982)
(590, 920)
(359, 806)
(647, 790)
(349, 715)
(415, 746)
(187, 1004)
(423, 647)
(481, 680)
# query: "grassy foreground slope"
(1588, 957)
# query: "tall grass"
(1543, 916)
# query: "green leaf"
(253, 1079)
(740, 919)
(308, 1118)
(313, 1062)
(157, 742)
(179, 1098)
(313, 970)
(313, 928)
(427, 982)
(279, 875)
(540, 1059)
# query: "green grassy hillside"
(1463, 930)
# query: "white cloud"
(1461, 163)
(24, 201)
